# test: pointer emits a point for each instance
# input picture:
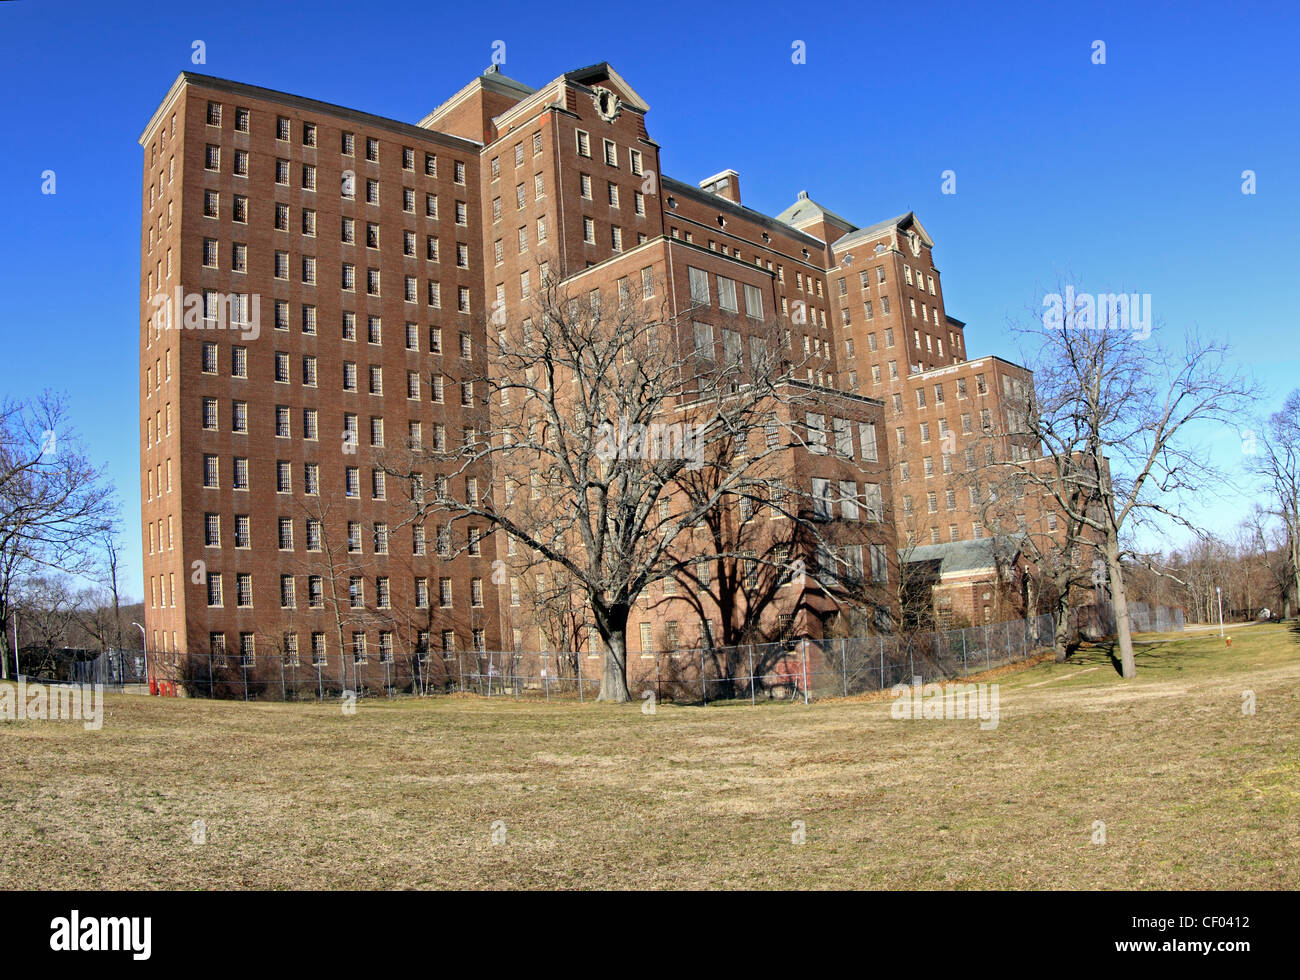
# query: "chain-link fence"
(796, 669)
(799, 669)
(1098, 619)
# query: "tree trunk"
(1061, 627)
(1119, 602)
(612, 624)
(613, 678)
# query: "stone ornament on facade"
(608, 105)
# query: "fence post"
(577, 655)
(546, 679)
(282, 697)
(882, 661)
(460, 672)
(243, 668)
(211, 687)
(320, 684)
(844, 663)
(964, 671)
(751, 675)
(658, 693)
(704, 692)
(805, 671)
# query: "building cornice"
(300, 102)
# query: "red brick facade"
(376, 252)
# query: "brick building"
(317, 282)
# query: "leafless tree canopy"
(1115, 414)
(597, 417)
(55, 506)
(1276, 458)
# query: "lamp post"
(1219, 591)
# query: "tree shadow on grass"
(1147, 656)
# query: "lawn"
(466, 793)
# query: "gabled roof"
(491, 79)
(601, 71)
(805, 211)
(741, 210)
(904, 222)
(959, 557)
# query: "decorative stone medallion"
(607, 104)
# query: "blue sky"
(1125, 175)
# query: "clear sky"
(1122, 176)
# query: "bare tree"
(54, 503)
(597, 410)
(1273, 545)
(1051, 544)
(1277, 460)
(1115, 412)
(50, 609)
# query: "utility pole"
(1219, 591)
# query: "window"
(699, 286)
(584, 143)
(816, 426)
(879, 564)
(703, 339)
(589, 231)
(214, 589)
(611, 153)
(243, 589)
(823, 505)
(726, 294)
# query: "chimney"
(724, 184)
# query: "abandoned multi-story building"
(338, 268)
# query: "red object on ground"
(153, 686)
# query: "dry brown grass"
(1194, 794)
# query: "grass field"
(1193, 793)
